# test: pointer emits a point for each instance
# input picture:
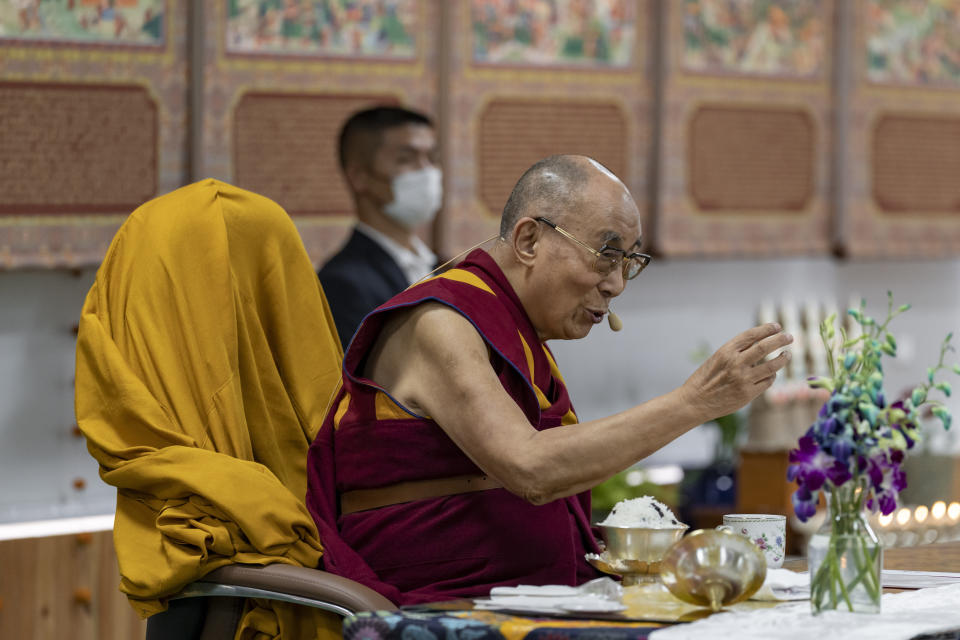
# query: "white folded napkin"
(783, 585)
(540, 591)
(602, 595)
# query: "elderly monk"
(451, 460)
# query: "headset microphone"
(614, 321)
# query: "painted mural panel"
(902, 149)
(76, 148)
(117, 22)
(515, 93)
(323, 28)
(285, 147)
(913, 42)
(763, 37)
(746, 133)
(281, 76)
(744, 159)
(601, 33)
(93, 122)
(513, 134)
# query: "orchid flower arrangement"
(853, 452)
(860, 439)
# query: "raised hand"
(737, 372)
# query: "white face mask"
(416, 197)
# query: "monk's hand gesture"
(737, 372)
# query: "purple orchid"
(804, 503)
(858, 440)
(831, 454)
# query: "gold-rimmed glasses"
(607, 258)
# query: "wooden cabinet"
(64, 587)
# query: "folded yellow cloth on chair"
(205, 360)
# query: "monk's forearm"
(564, 461)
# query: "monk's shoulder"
(431, 333)
(435, 330)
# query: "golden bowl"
(634, 553)
(713, 568)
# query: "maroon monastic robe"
(451, 546)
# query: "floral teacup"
(767, 531)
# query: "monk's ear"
(526, 240)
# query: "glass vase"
(845, 557)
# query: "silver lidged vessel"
(713, 568)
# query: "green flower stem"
(827, 575)
(865, 569)
(838, 579)
(829, 588)
(833, 587)
(823, 581)
(871, 578)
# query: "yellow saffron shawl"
(205, 359)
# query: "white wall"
(675, 306)
(668, 311)
(39, 456)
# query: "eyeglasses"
(607, 258)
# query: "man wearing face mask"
(387, 155)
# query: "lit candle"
(920, 514)
(938, 510)
(953, 511)
(885, 520)
(903, 516)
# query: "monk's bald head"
(552, 187)
(562, 212)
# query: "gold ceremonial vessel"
(634, 553)
(713, 568)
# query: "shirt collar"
(414, 264)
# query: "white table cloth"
(903, 616)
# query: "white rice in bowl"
(644, 511)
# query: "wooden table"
(929, 557)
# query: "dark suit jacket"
(357, 280)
